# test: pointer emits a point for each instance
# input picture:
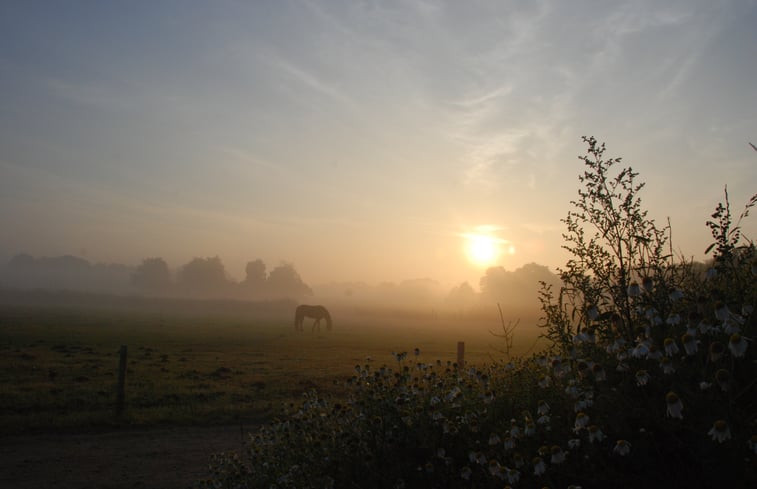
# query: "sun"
(482, 249)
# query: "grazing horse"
(315, 312)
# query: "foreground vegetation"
(650, 379)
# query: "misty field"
(59, 365)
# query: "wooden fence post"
(460, 354)
(121, 389)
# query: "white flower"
(723, 378)
(737, 344)
(543, 419)
(721, 311)
(675, 406)
(558, 455)
(582, 420)
(622, 448)
(671, 348)
(595, 434)
(703, 386)
(466, 472)
(675, 295)
(641, 351)
(542, 408)
(667, 366)
(513, 476)
(720, 431)
(495, 469)
(674, 319)
(642, 377)
(574, 443)
(654, 353)
(599, 373)
(539, 466)
(689, 343)
(593, 313)
(752, 442)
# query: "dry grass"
(58, 366)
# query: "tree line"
(199, 278)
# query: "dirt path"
(161, 458)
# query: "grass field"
(58, 364)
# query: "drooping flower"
(716, 351)
(675, 295)
(689, 343)
(539, 466)
(667, 366)
(737, 344)
(723, 378)
(599, 372)
(592, 313)
(675, 406)
(721, 311)
(642, 377)
(654, 352)
(558, 455)
(595, 433)
(720, 431)
(582, 420)
(513, 476)
(622, 448)
(542, 408)
(671, 348)
(640, 351)
(673, 319)
(752, 443)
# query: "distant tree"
(152, 275)
(518, 286)
(284, 281)
(205, 276)
(255, 274)
(462, 296)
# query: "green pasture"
(59, 365)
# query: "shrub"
(650, 380)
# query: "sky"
(362, 140)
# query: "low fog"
(207, 279)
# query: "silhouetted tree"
(255, 276)
(517, 287)
(284, 281)
(205, 276)
(462, 296)
(152, 275)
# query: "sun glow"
(482, 249)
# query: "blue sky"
(361, 140)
